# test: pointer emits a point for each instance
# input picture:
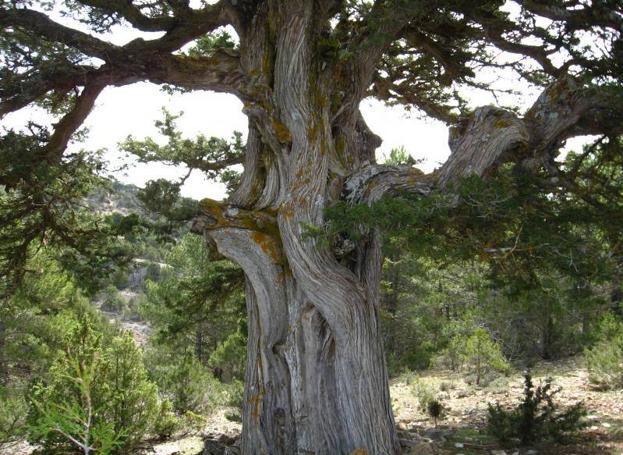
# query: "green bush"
(535, 418)
(235, 398)
(96, 395)
(182, 379)
(482, 356)
(167, 422)
(424, 394)
(193, 422)
(605, 358)
(120, 279)
(452, 356)
(436, 410)
(13, 410)
(230, 355)
(113, 302)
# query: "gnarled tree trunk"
(316, 379)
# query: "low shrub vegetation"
(605, 358)
(536, 417)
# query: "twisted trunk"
(316, 381)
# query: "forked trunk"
(316, 380)
(312, 387)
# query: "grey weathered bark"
(316, 379)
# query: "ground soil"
(463, 430)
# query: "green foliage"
(210, 155)
(536, 418)
(167, 422)
(120, 279)
(436, 410)
(482, 356)
(113, 302)
(516, 254)
(235, 396)
(163, 197)
(605, 358)
(199, 309)
(399, 157)
(424, 393)
(209, 44)
(182, 379)
(230, 355)
(193, 421)
(95, 394)
(42, 204)
(13, 411)
(28, 334)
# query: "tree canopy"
(423, 55)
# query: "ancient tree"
(316, 380)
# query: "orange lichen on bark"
(224, 216)
(283, 133)
(256, 403)
(268, 245)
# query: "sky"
(132, 110)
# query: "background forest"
(140, 333)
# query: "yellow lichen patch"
(208, 203)
(360, 451)
(283, 133)
(231, 216)
(503, 123)
(287, 212)
(212, 208)
(268, 245)
(256, 403)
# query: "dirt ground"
(462, 431)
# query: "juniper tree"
(316, 380)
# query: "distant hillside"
(117, 198)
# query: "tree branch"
(383, 26)
(537, 53)
(593, 15)
(72, 120)
(219, 215)
(43, 26)
(221, 73)
(492, 136)
(568, 108)
(22, 90)
(372, 182)
(481, 142)
(133, 15)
